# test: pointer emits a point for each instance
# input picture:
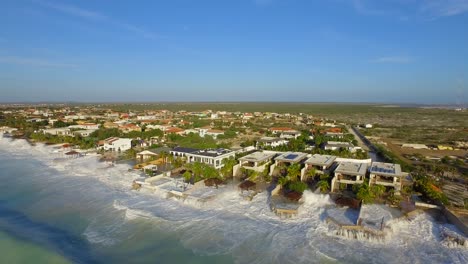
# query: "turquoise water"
(54, 210)
(43, 219)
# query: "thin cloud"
(96, 16)
(362, 7)
(35, 62)
(394, 59)
(406, 9)
(444, 8)
(73, 10)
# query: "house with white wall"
(386, 174)
(117, 144)
(349, 173)
(62, 131)
(271, 142)
(213, 157)
(321, 163)
(257, 161)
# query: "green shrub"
(297, 186)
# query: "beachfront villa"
(116, 144)
(257, 161)
(287, 159)
(348, 173)
(151, 153)
(321, 163)
(212, 157)
(386, 174)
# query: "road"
(365, 144)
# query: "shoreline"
(228, 206)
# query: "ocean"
(57, 210)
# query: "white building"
(271, 142)
(147, 117)
(213, 157)
(62, 131)
(214, 133)
(86, 126)
(321, 163)
(289, 158)
(84, 132)
(336, 145)
(117, 144)
(257, 161)
(386, 174)
(349, 173)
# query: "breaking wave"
(247, 230)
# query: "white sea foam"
(229, 224)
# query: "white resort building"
(321, 163)
(349, 173)
(289, 158)
(117, 144)
(212, 157)
(257, 161)
(386, 174)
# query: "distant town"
(184, 154)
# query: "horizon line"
(229, 102)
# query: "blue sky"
(408, 51)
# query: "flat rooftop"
(351, 168)
(339, 144)
(270, 139)
(291, 157)
(184, 150)
(389, 169)
(258, 156)
(321, 160)
(212, 152)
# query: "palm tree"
(294, 170)
(163, 155)
(311, 173)
(178, 162)
(170, 159)
(187, 176)
(253, 175)
(197, 170)
(282, 168)
(325, 176)
(209, 172)
(323, 185)
(283, 181)
(377, 190)
(227, 169)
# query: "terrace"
(349, 173)
(289, 158)
(256, 160)
(321, 163)
(386, 174)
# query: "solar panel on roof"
(291, 156)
